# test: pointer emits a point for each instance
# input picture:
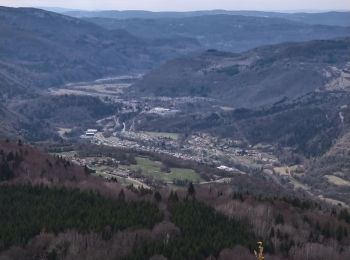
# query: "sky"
(186, 5)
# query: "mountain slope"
(41, 49)
(52, 207)
(226, 32)
(7, 122)
(257, 77)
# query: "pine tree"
(191, 191)
(340, 233)
(326, 231)
(279, 219)
(173, 197)
(121, 196)
(157, 197)
(5, 172)
(10, 157)
(86, 170)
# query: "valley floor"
(227, 156)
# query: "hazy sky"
(182, 5)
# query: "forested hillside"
(45, 115)
(258, 77)
(42, 49)
(26, 211)
(57, 220)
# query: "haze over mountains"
(233, 33)
(326, 18)
(34, 55)
(41, 49)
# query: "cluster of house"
(229, 169)
(90, 133)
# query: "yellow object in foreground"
(260, 254)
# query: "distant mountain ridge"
(40, 49)
(235, 33)
(337, 18)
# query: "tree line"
(26, 211)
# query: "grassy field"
(153, 169)
(68, 155)
(337, 181)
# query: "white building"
(162, 111)
(90, 132)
